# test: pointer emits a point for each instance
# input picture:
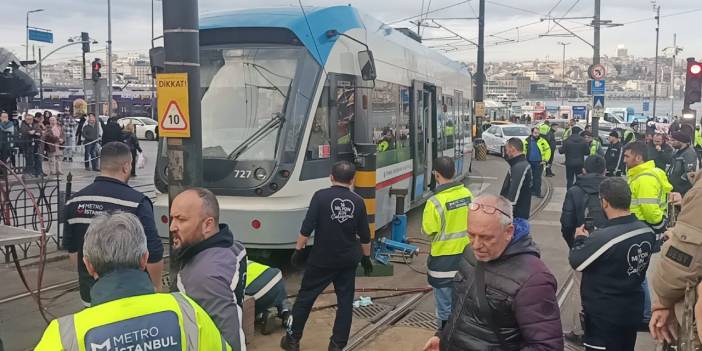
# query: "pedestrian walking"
(338, 218)
(660, 152)
(68, 123)
(129, 137)
(683, 162)
(444, 222)
(614, 156)
(267, 286)
(504, 295)
(575, 150)
(678, 267)
(127, 313)
(110, 192)
(613, 261)
(79, 129)
(517, 185)
(212, 263)
(52, 140)
(90, 133)
(537, 153)
(582, 202)
(551, 138)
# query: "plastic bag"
(141, 160)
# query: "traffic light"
(96, 65)
(693, 83)
(86, 41)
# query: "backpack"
(593, 209)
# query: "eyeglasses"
(487, 209)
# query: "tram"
(286, 93)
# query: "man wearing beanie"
(614, 156)
(684, 161)
(575, 149)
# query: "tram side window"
(318, 146)
(449, 122)
(346, 110)
(383, 121)
(403, 125)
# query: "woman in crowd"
(53, 138)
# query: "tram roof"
(319, 20)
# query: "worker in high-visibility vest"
(445, 221)
(593, 143)
(126, 314)
(569, 130)
(537, 151)
(266, 285)
(698, 145)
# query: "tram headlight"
(260, 173)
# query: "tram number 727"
(242, 173)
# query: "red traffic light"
(694, 68)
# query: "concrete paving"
(21, 325)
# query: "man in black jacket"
(338, 218)
(551, 138)
(111, 131)
(660, 152)
(575, 150)
(613, 261)
(517, 185)
(683, 162)
(582, 200)
(614, 156)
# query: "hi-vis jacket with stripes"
(445, 221)
(649, 193)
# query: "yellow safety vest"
(567, 133)
(544, 128)
(151, 322)
(698, 138)
(544, 148)
(383, 146)
(649, 192)
(260, 279)
(594, 147)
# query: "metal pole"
(83, 78)
(181, 43)
(26, 41)
(153, 87)
(596, 58)
(672, 76)
(655, 70)
(480, 74)
(41, 81)
(109, 59)
(564, 72)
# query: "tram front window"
(245, 91)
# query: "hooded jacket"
(662, 158)
(680, 262)
(573, 214)
(517, 186)
(521, 292)
(213, 273)
(683, 162)
(575, 149)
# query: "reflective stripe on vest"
(440, 210)
(662, 203)
(67, 331)
(192, 332)
(442, 275)
(449, 236)
(266, 288)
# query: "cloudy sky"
(513, 27)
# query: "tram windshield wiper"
(259, 134)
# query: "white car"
(496, 136)
(144, 127)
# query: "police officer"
(684, 161)
(126, 313)
(338, 218)
(110, 192)
(593, 143)
(445, 222)
(537, 152)
(614, 156)
(550, 136)
(678, 266)
(266, 285)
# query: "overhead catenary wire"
(429, 12)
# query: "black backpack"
(593, 209)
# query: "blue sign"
(646, 104)
(597, 87)
(598, 102)
(580, 112)
(42, 35)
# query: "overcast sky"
(131, 24)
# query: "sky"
(514, 28)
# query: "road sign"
(646, 104)
(173, 109)
(597, 71)
(598, 102)
(479, 109)
(597, 87)
(580, 112)
(42, 35)
(598, 112)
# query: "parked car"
(496, 136)
(144, 127)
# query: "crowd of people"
(40, 143)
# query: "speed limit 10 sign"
(172, 93)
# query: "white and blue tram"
(284, 97)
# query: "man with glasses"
(505, 295)
(613, 261)
(444, 221)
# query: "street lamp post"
(26, 33)
(109, 59)
(655, 70)
(564, 72)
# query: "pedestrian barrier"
(480, 149)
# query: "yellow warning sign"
(172, 93)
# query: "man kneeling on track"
(266, 285)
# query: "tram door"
(423, 109)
